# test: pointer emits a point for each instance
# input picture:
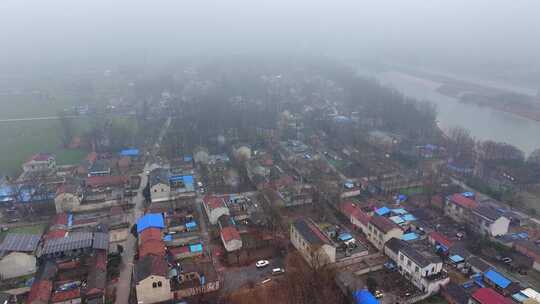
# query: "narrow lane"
(123, 288)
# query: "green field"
(434, 300)
(20, 140)
(33, 229)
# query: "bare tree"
(66, 128)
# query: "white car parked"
(262, 263)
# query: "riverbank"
(500, 99)
(485, 123)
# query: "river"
(483, 123)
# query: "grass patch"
(32, 229)
(434, 300)
(20, 140)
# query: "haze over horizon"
(444, 33)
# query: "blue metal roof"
(191, 225)
(167, 238)
(399, 211)
(196, 248)
(130, 152)
(188, 158)
(519, 297)
(382, 211)
(70, 220)
(468, 194)
(363, 296)
(396, 219)
(409, 236)
(408, 217)
(456, 258)
(150, 220)
(186, 179)
(442, 247)
(497, 278)
(345, 236)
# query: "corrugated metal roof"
(497, 278)
(101, 240)
(20, 242)
(408, 217)
(409, 236)
(150, 220)
(382, 211)
(363, 296)
(74, 240)
(397, 219)
(456, 258)
(130, 152)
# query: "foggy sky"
(469, 30)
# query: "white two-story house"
(422, 268)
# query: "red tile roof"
(55, 234)
(150, 234)
(268, 162)
(106, 181)
(101, 260)
(124, 162)
(463, 201)
(363, 217)
(179, 250)
(60, 219)
(116, 210)
(40, 291)
(71, 264)
(382, 223)
(154, 247)
(348, 208)
(41, 157)
(213, 202)
(489, 296)
(91, 157)
(352, 210)
(230, 233)
(66, 295)
(441, 239)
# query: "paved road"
(8, 120)
(36, 118)
(123, 288)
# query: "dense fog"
(459, 33)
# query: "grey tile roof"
(158, 175)
(395, 244)
(101, 240)
(20, 242)
(150, 265)
(457, 293)
(488, 212)
(479, 264)
(74, 240)
(421, 259)
(306, 228)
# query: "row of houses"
(167, 270)
(167, 185)
(482, 217)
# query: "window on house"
(409, 263)
(416, 269)
(401, 257)
(159, 283)
(154, 285)
(155, 190)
